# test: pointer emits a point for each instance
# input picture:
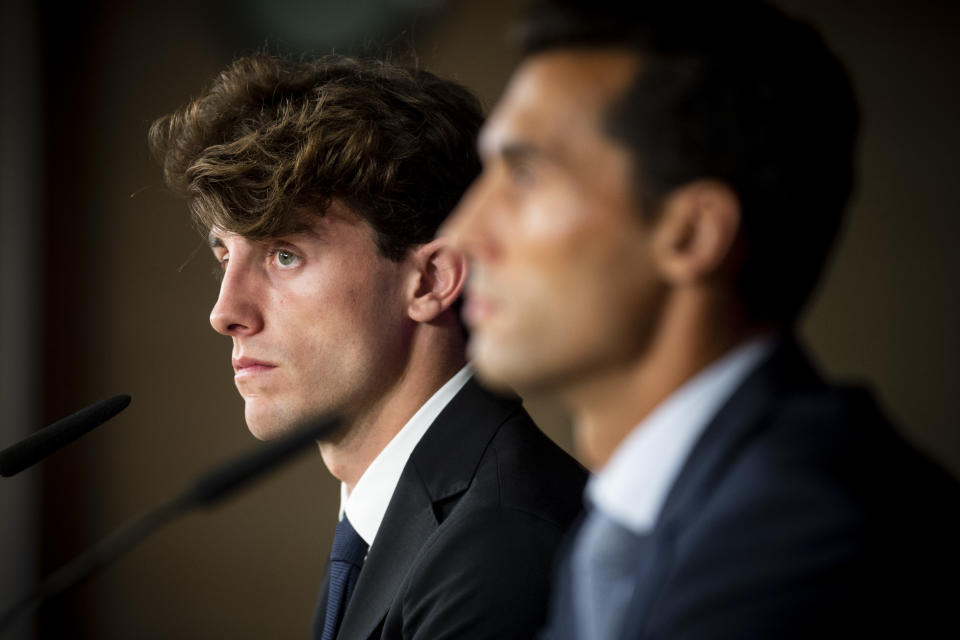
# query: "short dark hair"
(275, 139)
(735, 91)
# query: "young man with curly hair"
(321, 185)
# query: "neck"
(695, 331)
(435, 355)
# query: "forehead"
(559, 97)
(309, 224)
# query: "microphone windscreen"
(35, 448)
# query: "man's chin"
(264, 433)
(270, 424)
(266, 427)
(492, 380)
(521, 370)
(499, 369)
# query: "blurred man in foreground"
(321, 185)
(662, 183)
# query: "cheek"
(319, 319)
(582, 272)
(542, 243)
(374, 308)
(561, 249)
(552, 220)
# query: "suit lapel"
(786, 371)
(409, 521)
(440, 468)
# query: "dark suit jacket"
(800, 513)
(466, 546)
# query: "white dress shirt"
(633, 485)
(367, 503)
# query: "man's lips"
(246, 367)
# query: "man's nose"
(468, 227)
(237, 311)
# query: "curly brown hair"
(274, 140)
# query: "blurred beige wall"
(127, 302)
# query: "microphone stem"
(206, 490)
(96, 557)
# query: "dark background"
(102, 292)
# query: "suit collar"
(368, 502)
(441, 467)
(448, 455)
(633, 484)
(787, 370)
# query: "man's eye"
(521, 174)
(285, 258)
(219, 267)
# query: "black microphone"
(206, 490)
(35, 448)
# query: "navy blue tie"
(346, 559)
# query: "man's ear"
(695, 235)
(439, 275)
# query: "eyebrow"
(517, 151)
(214, 241)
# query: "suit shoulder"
(822, 505)
(831, 455)
(841, 436)
(531, 473)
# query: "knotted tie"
(604, 560)
(346, 559)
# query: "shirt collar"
(633, 485)
(366, 505)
